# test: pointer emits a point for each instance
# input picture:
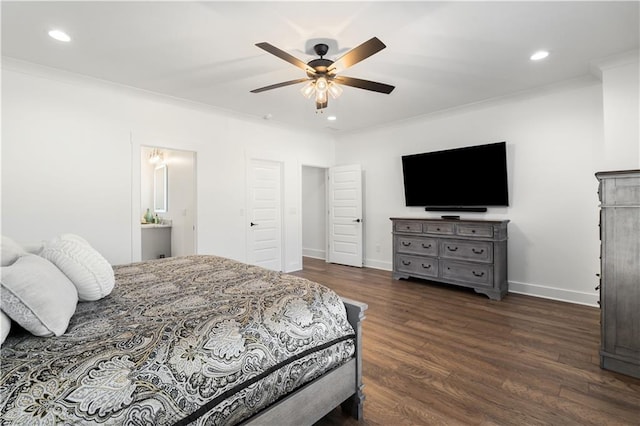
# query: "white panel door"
(345, 215)
(265, 214)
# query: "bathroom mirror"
(160, 189)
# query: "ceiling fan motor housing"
(320, 65)
(321, 49)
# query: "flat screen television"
(457, 179)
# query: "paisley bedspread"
(196, 339)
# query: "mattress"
(187, 340)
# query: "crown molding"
(614, 61)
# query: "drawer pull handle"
(406, 244)
(473, 231)
(452, 249)
(478, 274)
(426, 266)
(408, 227)
(597, 288)
(406, 262)
(437, 229)
(477, 251)
(426, 247)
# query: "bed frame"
(342, 386)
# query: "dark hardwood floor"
(437, 354)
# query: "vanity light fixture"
(156, 156)
(59, 35)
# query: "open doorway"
(168, 196)
(314, 212)
(332, 220)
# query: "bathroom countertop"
(154, 225)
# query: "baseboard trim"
(378, 264)
(314, 253)
(553, 293)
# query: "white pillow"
(36, 295)
(11, 251)
(82, 264)
(5, 326)
(74, 237)
(33, 248)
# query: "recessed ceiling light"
(59, 35)
(540, 54)
(332, 118)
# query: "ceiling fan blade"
(285, 56)
(357, 54)
(277, 85)
(364, 84)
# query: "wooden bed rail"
(355, 315)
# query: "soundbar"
(455, 209)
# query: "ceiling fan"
(322, 75)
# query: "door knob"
(253, 224)
(357, 220)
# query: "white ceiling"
(439, 54)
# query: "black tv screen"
(474, 176)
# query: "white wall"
(621, 100)
(71, 162)
(66, 165)
(146, 182)
(554, 141)
(314, 212)
(181, 210)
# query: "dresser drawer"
(478, 251)
(416, 245)
(474, 230)
(439, 228)
(476, 273)
(417, 266)
(408, 226)
(624, 190)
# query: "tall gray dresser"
(468, 253)
(619, 194)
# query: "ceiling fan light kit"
(322, 78)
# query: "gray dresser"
(619, 194)
(469, 253)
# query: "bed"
(191, 340)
